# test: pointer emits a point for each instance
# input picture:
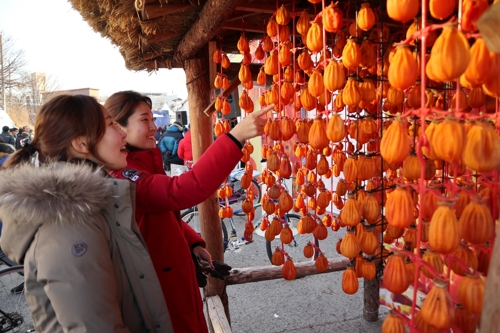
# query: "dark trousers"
(169, 159)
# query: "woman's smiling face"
(111, 147)
(141, 128)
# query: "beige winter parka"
(87, 268)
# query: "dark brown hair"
(121, 105)
(57, 123)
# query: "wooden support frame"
(210, 20)
(261, 8)
(241, 27)
(198, 89)
(212, 66)
(159, 37)
(232, 86)
(218, 322)
(264, 273)
(490, 317)
(155, 10)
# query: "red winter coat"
(185, 150)
(159, 200)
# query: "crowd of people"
(174, 141)
(12, 139)
(95, 219)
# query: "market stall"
(386, 111)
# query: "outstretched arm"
(156, 193)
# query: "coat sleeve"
(74, 265)
(158, 193)
(191, 236)
(163, 146)
(176, 146)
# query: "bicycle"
(191, 215)
(15, 315)
(235, 243)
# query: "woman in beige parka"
(86, 266)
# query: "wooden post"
(490, 318)
(198, 87)
(371, 299)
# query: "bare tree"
(24, 90)
(14, 65)
(30, 94)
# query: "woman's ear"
(80, 145)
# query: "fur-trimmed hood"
(53, 193)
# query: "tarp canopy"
(5, 119)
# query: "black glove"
(202, 278)
(203, 268)
(222, 268)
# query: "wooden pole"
(490, 318)
(198, 87)
(371, 299)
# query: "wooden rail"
(218, 322)
(264, 273)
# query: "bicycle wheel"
(296, 247)
(5, 260)
(257, 192)
(15, 316)
(192, 217)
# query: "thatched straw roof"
(142, 40)
(162, 33)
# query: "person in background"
(160, 198)
(169, 143)
(7, 138)
(185, 150)
(22, 138)
(14, 131)
(86, 265)
(5, 151)
(159, 132)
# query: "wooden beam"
(241, 27)
(155, 64)
(155, 10)
(264, 273)
(210, 20)
(147, 41)
(258, 7)
(153, 56)
(211, 108)
(240, 17)
(212, 66)
(218, 319)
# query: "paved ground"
(310, 304)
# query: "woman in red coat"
(185, 150)
(160, 198)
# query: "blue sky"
(58, 42)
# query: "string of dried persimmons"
(398, 133)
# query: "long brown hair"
(121, 105)
(57, 123)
